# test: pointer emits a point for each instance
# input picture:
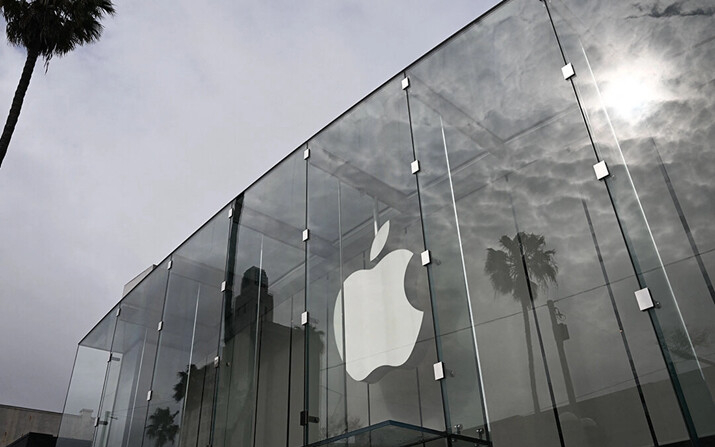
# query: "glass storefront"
(443, 265)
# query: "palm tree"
(506, 272)
(162, 427)
(47, 28)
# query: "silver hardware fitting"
(645, 301)
(304, 318)
(96, 421)
(170, 264)
(438, 370)
(160, 326)
(405, 83)
(415, 166)
(110, 358)
(601, 170)
(230, 213)
(306, 235)
(223, 286)
(306, 419)
(119, 311)
(568, 71)
(217, 361)
(148, 395)
(426, 258)
(306, 154)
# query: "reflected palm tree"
(162, 426)
(180, 387)
(520, 267)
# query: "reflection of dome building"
(244, 306)
(525, 263)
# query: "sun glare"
(631, 94)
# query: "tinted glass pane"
(124, 407)
(85, 390)
(645, 78)
(260, 391)
(368, 294)
(507, 161)
(184, 372)
(82, 404)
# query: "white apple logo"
(381, 326)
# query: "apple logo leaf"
(379, 242)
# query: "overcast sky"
(125, 147)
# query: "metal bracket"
(426, 258)
(304, 318)
(148, 395)
(568, 71)
(217, 361)
(96, 421)
(405, 83)
(438, 370)
(601, 170)
(305, 418)
(306, 235)
(223, 286)
(230, 213)
(306, 154)
(119, 311)
(645, 301)
(170, 264)
(415, 166)
(160, 326)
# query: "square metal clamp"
(426, 259)
(601, 170)
(438, 370)
(405, 83)
(645, 301)
(568, 71)
(415, 166)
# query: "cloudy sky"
(125, 147)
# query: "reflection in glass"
(648, 116)
(351, 196)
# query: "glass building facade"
(509, 243)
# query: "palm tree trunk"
(17, 103)
(530, 355)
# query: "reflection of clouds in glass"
(672, 9)
(630, 92)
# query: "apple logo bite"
(381, 326)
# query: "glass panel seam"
(547, 373)
(433, 304)
(675, 381)
(466, 283)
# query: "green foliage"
(505, 267)
(54, 27)
(181, 385)
(47, 28)
(162, 427)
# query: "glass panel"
(645, 80)
(184, 372)
(85, 390)
(507, 172)
(124, 407)
(368, 294)
(261, 382)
